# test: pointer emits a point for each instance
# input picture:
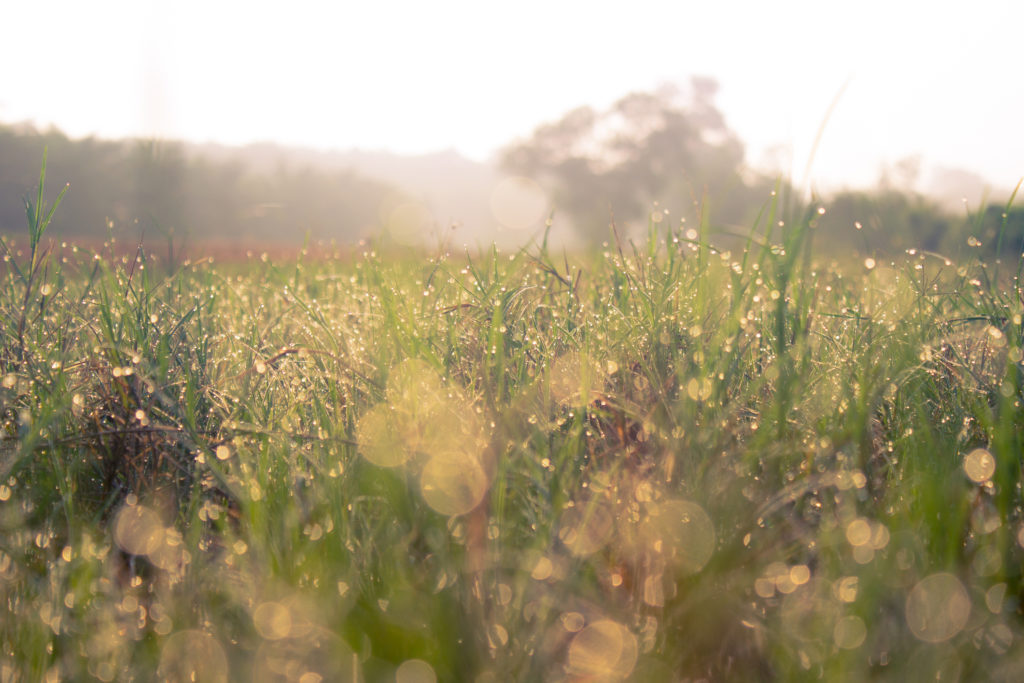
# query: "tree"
(885, 220)
(151, 188)
(665, 146)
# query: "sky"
(937, 81)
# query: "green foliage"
(1002, 230)
(657, 461)
(887, 221)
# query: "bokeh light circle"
(585, 528)
(849, 632)
(138, 530)
(686, 532)
(453, 483)
(979, 465)
(317, 655)
(193, 656)
(604, 650)
(415, 671)
(937, 608)
(378, 439)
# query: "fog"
(918, 95)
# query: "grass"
(659, 461)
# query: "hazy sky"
(940, 79)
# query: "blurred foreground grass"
(657, 462)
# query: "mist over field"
(666, 155)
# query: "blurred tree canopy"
(666, 147)
(674, 148)
(998, 227)
(885, 220)
(162, 187)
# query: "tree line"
(162, 188)
(662, 155)
(670, 155)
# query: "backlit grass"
(658, 461)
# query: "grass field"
(654, 462)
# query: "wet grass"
(659, 461)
